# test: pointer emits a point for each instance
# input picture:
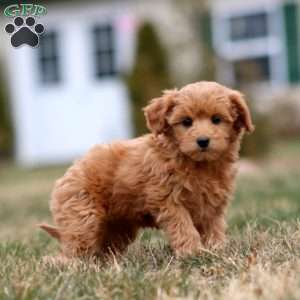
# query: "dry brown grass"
(261, 259)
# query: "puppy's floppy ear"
(243, 116)
(157, 111)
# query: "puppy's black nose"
(203, 142)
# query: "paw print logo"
(24, 33)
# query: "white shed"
(67, 94)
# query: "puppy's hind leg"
(80, 220)
(83, 236)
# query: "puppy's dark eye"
(216, 119)
(187, 122)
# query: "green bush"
(285, 113)
(150, 74)
(208, 69)
(6, 135)
(280, 121)
(259, 143)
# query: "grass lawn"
(261, 259)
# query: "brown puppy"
(179, 178)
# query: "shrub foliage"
(6, 136)
(150, 74)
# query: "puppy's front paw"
(214, 243)
(189, 247)
(181, 253)
(58, 260)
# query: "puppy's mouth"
(202, 154)
(206, 154)
(204, 150)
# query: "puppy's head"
(202, 118)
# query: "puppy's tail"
(51, 230)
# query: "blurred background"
(99, 62)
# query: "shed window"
(104, 50)
(48, 58)
(252, 70)
(249, 26)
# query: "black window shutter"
(290, 12)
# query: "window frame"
(230, 51)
